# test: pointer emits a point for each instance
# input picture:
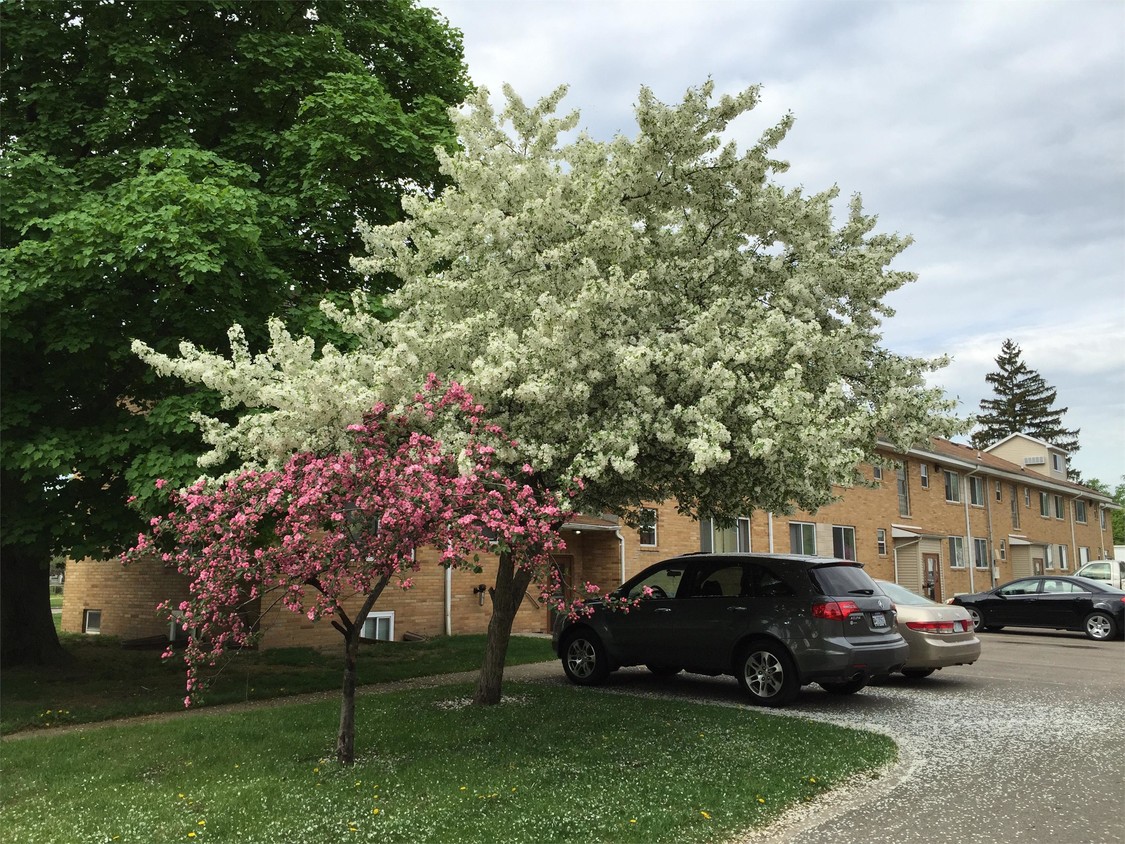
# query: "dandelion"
(761, 799)
(375, 811)
(705, 814)
(632, 820)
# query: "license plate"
(878, 620)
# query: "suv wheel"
(767, 673)
(584, 659)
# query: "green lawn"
(551, 764)
(102, 680)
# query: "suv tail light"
(834, 610)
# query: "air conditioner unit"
(1034, 461)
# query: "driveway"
(1027, 745)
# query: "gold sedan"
(938, 634)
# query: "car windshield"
(902, 595)
(842, 579)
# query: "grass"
(551, 764)
(104, 681)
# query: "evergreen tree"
(1024, 404)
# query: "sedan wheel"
(584, 660)
(1100, 626)
(767, 673)
(978, 619)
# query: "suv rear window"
(842, 579)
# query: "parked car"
(1058, 602)
(939, 635)
(1105, 571)
(776, 622)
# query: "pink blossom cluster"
(327, 527)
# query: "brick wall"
(126, 596)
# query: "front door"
(931, 583)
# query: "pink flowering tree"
(327, 531)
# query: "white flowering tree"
(652, 315)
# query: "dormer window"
(1058, 462)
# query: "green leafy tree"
(1024, 404)
(1117, 516)
(168, 169)
(654, 316)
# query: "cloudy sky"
(993, 132)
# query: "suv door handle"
(736, 609)
(663, 609)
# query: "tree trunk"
(345, 739)
(511, 584)
(27, 631)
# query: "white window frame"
(1080, 511)
(1003, 550)
(643, 529)
(877, 472)
(881, 541)
(902, 488)
(95, 616)
(957, 553)
(375, 618)
(999, 490)
(807, 529)
(1044, 505)
(980, 553)
(924, 475)
(1060, 509)
(952, 486)
(1027, 497)
(741, 534)
(845, 532)
(1049, 562)
(1064, 560)
(1015, 507)
(976, 490)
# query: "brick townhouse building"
(940, 520)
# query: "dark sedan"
(1057, 602)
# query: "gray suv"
(774, 621)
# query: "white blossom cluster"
(650, 314)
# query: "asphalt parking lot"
(1027, 745)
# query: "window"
(1064, 562)
(999, 491)
(956, 552)
(802, 538)
(1003, 550)
(952, 486)
(1101, 517)
(1044, 505)
(724, 538)
(1083, 554)
(843, 542)
(1050, 556)
(647, 530)
(1058, 463)
(1080, 511)
(902, 482)
(1060, 510)
(661, 584)
(924, 475)
(980, 553)
(877, 472)
(881, 541)
(1027, 497)
(1015, 508)
(92, 621)
(976, 491)
(722, 581)
(380, 626)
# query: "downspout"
(991, 539)
(1073, 537)
(769, 522)
(448, 601)
(969, 531)
(621, 543)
